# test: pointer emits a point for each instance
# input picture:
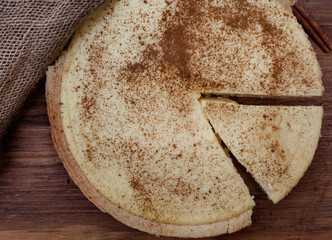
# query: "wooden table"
(38, 200)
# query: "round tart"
(126, 120)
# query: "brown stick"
(310, 30)
(315, 25)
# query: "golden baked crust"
(287, 3)
(276, 144)
(53, 92)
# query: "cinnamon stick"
(310, 30)
(315, 25)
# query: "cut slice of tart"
(125, 115)
(276, 144)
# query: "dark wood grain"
(39, 201)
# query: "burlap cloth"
(32, 34)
